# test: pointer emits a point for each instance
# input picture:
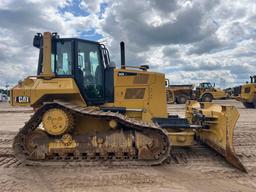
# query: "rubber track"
(23, 155)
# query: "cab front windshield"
(206, 85)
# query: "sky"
(188, 40)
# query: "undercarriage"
(95, 136)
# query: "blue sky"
(189, 41)
(74, 8)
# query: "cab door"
(89, 72)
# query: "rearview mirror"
(38, 40)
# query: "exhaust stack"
(122, 49)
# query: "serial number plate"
(22, 99)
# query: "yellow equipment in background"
(178, 93)
(248, 93)
(87, 111)
(170, 98)
(205, 92)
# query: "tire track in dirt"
(198, 160)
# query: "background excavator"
(87, 111)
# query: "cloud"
(199, 38)
(207, 45)
(188, 40)
(92, 6)
(164, 6)
(21, 20)
(139, 23)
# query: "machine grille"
(134, 93)
(141, 79)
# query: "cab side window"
(90, 69)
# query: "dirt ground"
(193, 169)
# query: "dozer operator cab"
(86, 61)
(203, 87)
(206, 85)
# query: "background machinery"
(248, 93)
(88, 111)
(178, 93)
(206, 92)
(3, 97)
(170, 98)
(233, 91)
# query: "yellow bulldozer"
(248, 93)
(87, 111)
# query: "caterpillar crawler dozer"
(248, 93)
(87, 111)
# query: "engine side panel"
(141, 92)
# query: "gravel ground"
(192, 169)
